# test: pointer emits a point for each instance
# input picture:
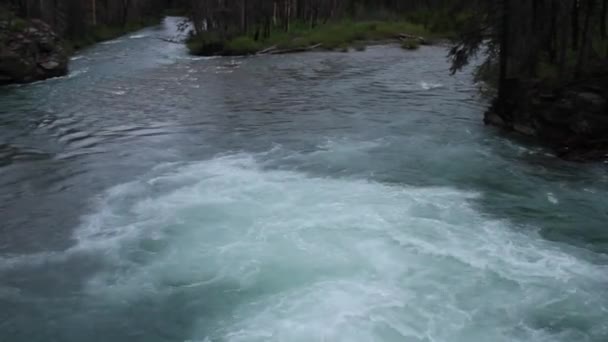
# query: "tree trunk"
(563, 46)
(575, 24)
(125, 11)
(582, 56)
(504, 51)
(244, 16)
(94, 12)
(553, 33)
(603, 15)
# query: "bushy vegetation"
(242, 46)
(10, 21)
(339, 36)
(205, 44)
(410, 44)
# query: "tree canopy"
(556, 40)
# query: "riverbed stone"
(50, 65)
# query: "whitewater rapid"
(259, 254)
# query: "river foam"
(257, 254)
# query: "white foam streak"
(111, 42)
(430, 85)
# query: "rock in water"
(30, 52)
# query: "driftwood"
(404, 37)
(267, 50)
(171, 40)
(302, 49)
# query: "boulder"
(50, 65)
(32, 53)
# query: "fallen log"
(171, 40)
(405, 36)
(267, 50)
(294, 50)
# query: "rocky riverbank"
(30, 51)
(572, 119)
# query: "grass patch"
(339, 36)
(17, 24)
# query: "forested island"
(546, 60)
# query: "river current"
(154, 196)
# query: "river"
(154, 196)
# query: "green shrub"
(18, 24)
(207, 44)
(281, 39)
(104, 32)
(410, 44)
(487, 73)
(241, 46)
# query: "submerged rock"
(573, 119)
(30, 52)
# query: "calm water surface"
(153, 196)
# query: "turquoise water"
(154, 196)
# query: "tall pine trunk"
(575, 24)
(504, 51)
(586, 42)
(94, 12)
(603, 15)
(553, 44)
